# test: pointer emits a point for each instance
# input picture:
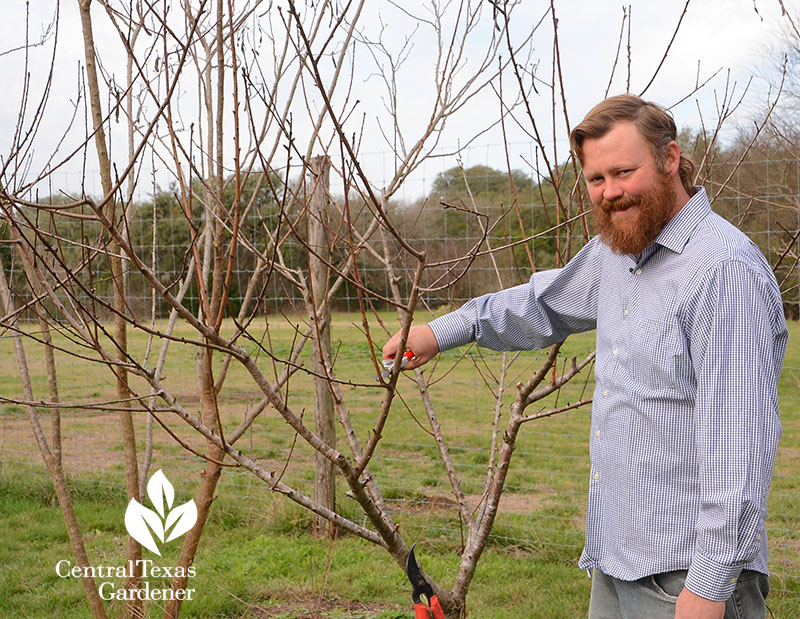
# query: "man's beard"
(631, 234)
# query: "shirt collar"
(678, 230)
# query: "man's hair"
(654, 123)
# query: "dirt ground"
(298, 606)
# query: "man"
(690, 342)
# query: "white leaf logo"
(142, 522)
(158, 489)
(135, 518)
(184, 516)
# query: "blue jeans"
(653, 597)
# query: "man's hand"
(692, 606)
(421, 341)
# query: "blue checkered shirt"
(690, 342)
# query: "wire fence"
(760, 196)
(543, 508)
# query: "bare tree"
(276, 96)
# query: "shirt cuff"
(712, 580)
(450, 331)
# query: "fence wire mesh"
(543, 506)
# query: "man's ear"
(672, 160)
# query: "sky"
(735, 40)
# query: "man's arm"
(551, 306)
(737, 341)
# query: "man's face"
(631, 199)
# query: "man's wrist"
(692, 606)
(449, 331)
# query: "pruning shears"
(430, 607)
(388, 364)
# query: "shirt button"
(605, 393)
(626, 312)
(758, 538)
(638, 271)
(597, 434)
(615, 352)
(733, 581)
(597, 476)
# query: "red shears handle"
(424, 612)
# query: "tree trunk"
(210, 477)
(52, 459)
(134, 607)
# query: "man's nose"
(612, 190)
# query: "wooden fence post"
(318, 259)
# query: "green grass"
(260, 564)
(256, 552)
(255, 564)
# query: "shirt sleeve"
(737, 342)
(551, 306)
